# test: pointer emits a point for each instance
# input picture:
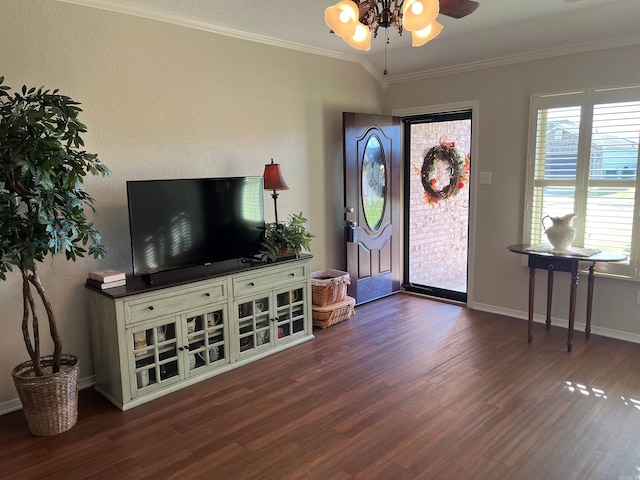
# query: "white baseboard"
(14, 404)
(559, 322)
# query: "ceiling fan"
(356, 21)
(457, 8)
(450, 8)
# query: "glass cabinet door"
(290, 312)
(206, 338)
(155, 353)
(254, 329)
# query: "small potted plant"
(42, 213)
(288, 239)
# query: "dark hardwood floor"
(407, 389)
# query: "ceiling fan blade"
(457, 8)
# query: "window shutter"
(583, 159)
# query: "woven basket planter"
(50, 403)
(285, 253)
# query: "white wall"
(162, 101)
(500, 282)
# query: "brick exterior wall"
(438, 233)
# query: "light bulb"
(361, 33)
(345, 16)
(421, 37)
(418, 14)
(342, 18)
(361, 39)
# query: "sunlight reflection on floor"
(598, 393)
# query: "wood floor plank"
(409, 388)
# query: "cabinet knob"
(251, 284)
(150, 307)
(207, 294)
(292, 274)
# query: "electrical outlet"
(485, 178)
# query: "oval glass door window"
(374, 181)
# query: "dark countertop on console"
(136, 285)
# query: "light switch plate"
(485, 178)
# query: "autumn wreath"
(435, 184)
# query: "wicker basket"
(329, 286)
(50, 403)
(324, 317)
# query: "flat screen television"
(182, 223)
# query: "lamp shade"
(273, 179)
(342, 18)
(361, 40)
(418, 14)
(423, 36)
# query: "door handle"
(352, 232)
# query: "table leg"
(572, 309)
(532, 288)
(549, 294)
(589, 299)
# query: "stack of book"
(104, 279)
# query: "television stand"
(148, 278)
(153, 339)
(252, 260)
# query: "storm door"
(437, 169)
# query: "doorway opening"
(436, 204)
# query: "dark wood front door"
(372, 156)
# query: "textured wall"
(162, 101)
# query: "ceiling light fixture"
(355, 21)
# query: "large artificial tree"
(42, 199)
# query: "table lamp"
(273, 181)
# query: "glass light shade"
(342, 18)
(273, 179)
(423, 36)
(361, 40)
(418, 14)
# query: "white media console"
(150, 340)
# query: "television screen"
(190, 222)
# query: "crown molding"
(149, 13)
(514, 59)
(120, 6)
(124, 7)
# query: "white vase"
(562, 232)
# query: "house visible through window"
(583, 159)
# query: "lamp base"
(274, 195)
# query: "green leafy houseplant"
(285, 239)
(42, 201)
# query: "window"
(583, 159)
